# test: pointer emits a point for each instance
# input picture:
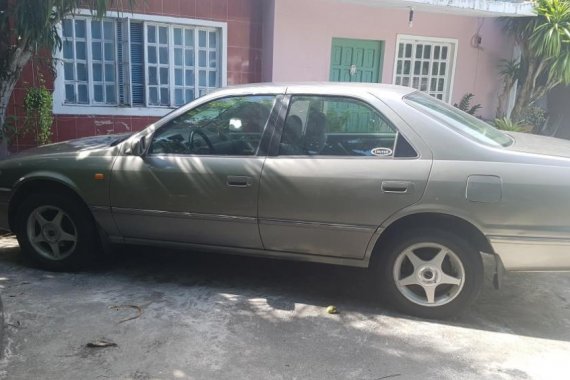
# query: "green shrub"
(506, 124)
(465, 104)
(38, 120)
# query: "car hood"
(76, 145)
(534, 144)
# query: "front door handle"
(238, 181)
(397, 187)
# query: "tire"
(446, 278)
(55, 232)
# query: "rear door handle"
(397, 187)
(238, 181)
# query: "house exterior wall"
(303, 32)
(243, 21)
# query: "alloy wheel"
(429, 274)
(52, 233)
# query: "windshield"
(458, 120)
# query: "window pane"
(68, 49)
(213, 40)
(68, 71)
(408, 50)
(152, 76)
(97, 72)
(419, 50)
(80, 28)
(109, 30)
(232, 126)
(444, 52)
(67, 28)
(153, 95)
(96, 51)
(109, 51)
(96, 29)
(189, 77)
(442, 68)
(202, 59)
(178, 61)
(151, 54)
(189, 57)
(213, 61)
(80, 50)
(164, 97)
(163, 52)
(162, 35)
(189, 95)
(163, 75)
(202, 78)
(82, 96)
(82, 72)
(70, 93)
(335, 126)
(189, 37)
(202, 38)
(98, 93)
(435, 68)
(213, 79)
(179, 77)
(110, 73)
(151, 35)
(427, 52)
(177, 36)
(111, 96)
(179, 97)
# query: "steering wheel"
(203, 136)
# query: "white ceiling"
(477, 8)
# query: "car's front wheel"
(431, 273)
(55, 232)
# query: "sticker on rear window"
(381, 151)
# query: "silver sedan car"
(358, 175)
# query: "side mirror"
(138, 147)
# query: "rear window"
(458, 120)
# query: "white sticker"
(381, 151)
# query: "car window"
(336, 126)
(458, 120)
(228, 126)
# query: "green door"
(356, 60)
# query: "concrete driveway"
(211, 316)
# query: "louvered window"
(426, 64)
(127, 62)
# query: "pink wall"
(304, 30)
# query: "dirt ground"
(208, 316)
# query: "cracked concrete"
(212, 316)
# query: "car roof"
(378, 89)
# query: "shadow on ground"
(262, 318)
(526, 300)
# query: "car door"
(199, 179)
(339, 169)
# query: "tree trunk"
(524, 93)
(18, 60)
(6, 89)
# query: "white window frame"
(60, 107)
(403, 38)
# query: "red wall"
(244, 18)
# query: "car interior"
(339, 128)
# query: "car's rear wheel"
(55, 232)
(431, 273)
